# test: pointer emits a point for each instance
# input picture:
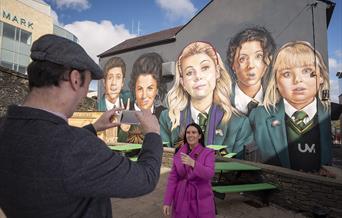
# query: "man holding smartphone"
(56, 170)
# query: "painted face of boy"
(199, 76)
(146, 89)
(299, 85)
(114, 82)
(249, 64)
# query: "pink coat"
(189, 189)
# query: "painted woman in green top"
(202, 87)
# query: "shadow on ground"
(233, 206)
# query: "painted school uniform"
(234, 134)
(124, 95)
(271, 135)
(240, 100)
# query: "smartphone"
(128, 117)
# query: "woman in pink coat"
(189, 183)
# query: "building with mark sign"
(21, 23)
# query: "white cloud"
(55, 18)
(338, 53)
(177, 9)
(96, 38)
(74, 4)
(334, 91)
(335, 65)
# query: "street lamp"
(339, 74)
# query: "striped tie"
(202, 120)
(299, 117)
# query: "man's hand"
(106, 119)
(149, 122)
(125, 127)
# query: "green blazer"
(124, 95)
(271, 139)
(235, 134)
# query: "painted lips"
(298, 90)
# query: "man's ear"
(75, 79)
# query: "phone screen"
(128, 117)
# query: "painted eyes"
(306, 73)
(244, 59)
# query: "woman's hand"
(166, 210)
(125, 127)
(187, 160)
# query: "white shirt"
(241, 100)
(110, 105)
(310, 110)
(195, 112)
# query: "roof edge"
(329, 10)
(200, 11)
(160, 42)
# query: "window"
(8, 31)
(25, 37)
(15, 47)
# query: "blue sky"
(100, 25)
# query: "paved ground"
(233, 206)
(150, 206)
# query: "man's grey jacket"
(51, 169)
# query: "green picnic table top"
(216, 147)
(243, 187)
(125, 147)
(233, 166)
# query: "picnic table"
(127, 149)
(221, 151)
(237, 167)
(233, 166)
(124, 147)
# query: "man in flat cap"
(51, 169)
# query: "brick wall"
(14, 88)
(168, 157)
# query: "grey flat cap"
(65, 52)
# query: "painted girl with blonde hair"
(292, 129)
(201, 94)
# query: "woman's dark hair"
(148, 64)
(199, 129)
(45, 73)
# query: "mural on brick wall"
(253, 95)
